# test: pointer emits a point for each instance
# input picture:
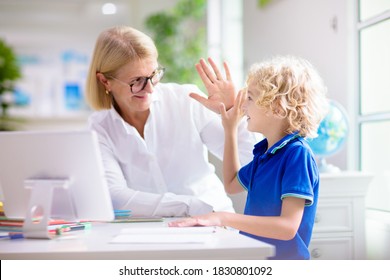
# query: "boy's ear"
(278, 112)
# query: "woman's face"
(131, 74)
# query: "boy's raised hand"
(219, 89)
(231, 118)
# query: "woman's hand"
(219, 89)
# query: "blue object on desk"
(120, 214)
(119, 211)
(11, 235)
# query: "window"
(374, 102)
(225, 36)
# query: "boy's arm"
(231, 162)
(283, 227)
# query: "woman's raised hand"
(220, 89)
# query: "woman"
(153, 137)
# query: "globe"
(332, 134)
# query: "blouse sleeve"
(123, 197)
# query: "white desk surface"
(95, 244)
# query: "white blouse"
(167, 173)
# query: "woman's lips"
(141, 96)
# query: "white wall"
(54, 24)
(42, 30)
(318, 30)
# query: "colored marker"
(76, 227)
(12, 235)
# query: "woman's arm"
(139, 202)
(163, 205)
(221, 91)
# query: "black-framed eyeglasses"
(140, 83)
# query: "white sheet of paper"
(165, 235)
(169, 230)
(161, 239)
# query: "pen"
(12, 235)
(76, 227)
(122, 211)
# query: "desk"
(94, 244)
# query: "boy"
(285, 102)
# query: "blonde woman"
(285, 101)
(155, 137)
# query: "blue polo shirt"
(287, 169)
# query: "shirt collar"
(119, 120)
(283, 142)
(261, 147)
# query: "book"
(16, 225)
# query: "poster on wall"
(51, 86)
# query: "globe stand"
(324, 167)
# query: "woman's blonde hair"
(291, 88)
(114, 48)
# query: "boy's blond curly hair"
(291, 88)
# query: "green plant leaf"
(9, 67)
(9, 72)
(263, 3)
(180, 37)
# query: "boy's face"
(259, 118)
